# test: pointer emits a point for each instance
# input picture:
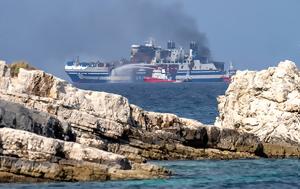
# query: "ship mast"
(77, 61)
(230, 65)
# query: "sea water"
(196, 101)
(214, 174)
(190, 100)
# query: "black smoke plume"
(48, 33)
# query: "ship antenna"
(230, 65)
(151, 41)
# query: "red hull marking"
(155, 80)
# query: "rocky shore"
(52, 131)
(265, 103)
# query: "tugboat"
(159, 76)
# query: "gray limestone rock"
(265, 103)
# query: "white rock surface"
(266, 103)
(105, 112)
(30, 146)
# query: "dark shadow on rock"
(260, 151)
(197, 138)
(16, 116)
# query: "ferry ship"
(145, 62)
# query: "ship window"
(182, 67)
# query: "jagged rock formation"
(151, 136)
(69, 134)
(107, 121)
(265, 103)
(28, 154)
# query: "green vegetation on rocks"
(15, 67)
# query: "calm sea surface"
(264, 173)
(196, 101)
(190, 100)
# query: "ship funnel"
(171, 45)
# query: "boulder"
(27, 145)
(26, 156)
(108, 114)
(265, 103)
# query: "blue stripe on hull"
(75, 79)
(91, 75)
(208, 80)
(90, 81)
(201, 73)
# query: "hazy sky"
(253, 34)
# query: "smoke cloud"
(48, 33)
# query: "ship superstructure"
(179, 64)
